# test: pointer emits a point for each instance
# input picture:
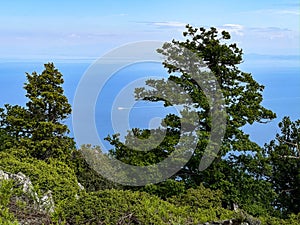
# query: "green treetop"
(242, 97)
(39, 126)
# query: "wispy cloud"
(233, 29)
(169, 24)
(290, 11)
(264, 32)
(273, 32)
(120, 14)
(166, 24)
(295, 4)
(73, 35)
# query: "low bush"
(53, 175)
(6, 192)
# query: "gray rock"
(81, 188)
(43, 204)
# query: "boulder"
(43, 204)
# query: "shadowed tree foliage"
(282, 168)
(81, 162)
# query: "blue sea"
(115, 110)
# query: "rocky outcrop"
(37, 209)
(43, 204)
(27, 206)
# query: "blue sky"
(41, 31)
(82, 29)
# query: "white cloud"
(295, 12)
(290, 12)
(269, 40)
(168, 24)
(295, 4)
(233, 29)
(73, 35)
(273, 32)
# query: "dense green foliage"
(118, 207)
(86, 175)
(53, 175)
(242, 102)
(38, 126)
(282, 157)
(6, 217)
(263, 181)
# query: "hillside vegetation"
(45, 179)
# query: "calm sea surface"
(280, 77)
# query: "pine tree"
(242, 102)
(39, 126)
(282, 157)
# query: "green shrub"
(165, 189)
(128, 207)
(86, 175)
(53, 175)
(6, 192)
(198, 198)
(292, 220)
(117, 206)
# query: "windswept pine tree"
(242, 101)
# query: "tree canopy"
(39, 126)
(282, 157)
(243, 179)
(242, 102)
